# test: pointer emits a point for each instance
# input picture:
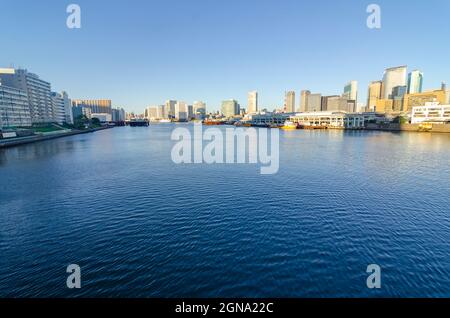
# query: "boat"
(289, 125)
(163, 121)
(213, 122)
(137, 122)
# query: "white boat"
(163, 121)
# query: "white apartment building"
(431, 113)
(14, 110)
(37, 90)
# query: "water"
(141, 226)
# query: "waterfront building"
(59, 113)
(155, 112)
(374, 94)
(230, 108)
(14, 109)
(102, 117)
(432, 112)
(252, 105)
(268, 118)
(337, 120)
(394, 76)
(304, 100)
(67, 108)
(420, 99)
(118, 115)
(62, 108)
(169, 108)
(415, 82)
(38, 92)
(78, 111)
(351, 90)
(199, 110)
(95, 105)
(289, 102)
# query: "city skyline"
(105, 58)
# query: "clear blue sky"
(140, 53)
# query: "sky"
(141, 53)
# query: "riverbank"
(435, 128)
(5, 143)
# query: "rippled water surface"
(141, 226)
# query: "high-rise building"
(394, 76)
(37, 90)
(190, 112)
(169, 108)
(181, 111)
(230, 108)
(252, 106)
(199, 109)
(96, 106)
(374, 94)
(59, 108)
(67, 108)
(118, 115)
(154, 112)
(81, 110)
(14, 109)
(289, 102)
(304, 100)
(415, 82)
(351, 90)
(314, 103)
(62, 108)
(447, 93)
(338, 103)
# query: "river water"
(140, 225)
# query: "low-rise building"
(268, 118)
(431, 113)
(341, 120)
(420, 99)
(102, 117)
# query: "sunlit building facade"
(394, 76)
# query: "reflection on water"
(141, 226)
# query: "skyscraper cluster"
(399, 92)
(176, 110)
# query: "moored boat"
(289, 125)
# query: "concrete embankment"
(434, 128)
(4, 143)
